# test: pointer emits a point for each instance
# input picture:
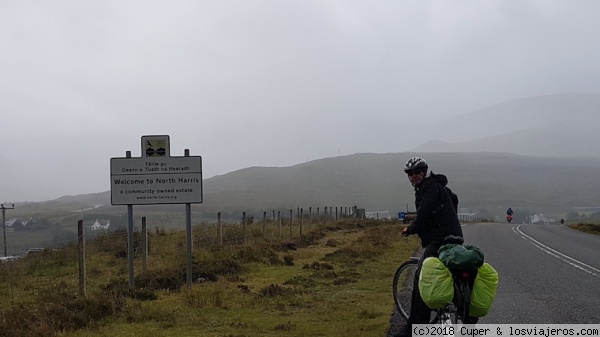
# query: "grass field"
(333, 281)
(590, 228)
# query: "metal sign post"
(130, 248)
(4, 208)
(188, 234)
(156, 178)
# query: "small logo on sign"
(156, 148)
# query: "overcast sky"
(263, 83)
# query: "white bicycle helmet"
(415, 163)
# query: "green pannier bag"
(435, 283)
(484, 291)
(461, 257)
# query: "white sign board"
(156, 177)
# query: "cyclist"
(436, 218)
(509, 213)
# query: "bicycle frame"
(459, 308)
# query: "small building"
(13, 224)
(378, 215)
(100, 224)
(463, 216)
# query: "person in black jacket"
(437, 218)
(509, 213)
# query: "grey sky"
(263, 83)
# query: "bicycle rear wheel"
(466, 304)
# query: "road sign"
(156, 177)
(407, 216)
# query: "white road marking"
(565, 258)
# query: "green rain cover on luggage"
(484, 291)
(435, 283)
(461, 257)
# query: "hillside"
(376, 181)
(491, 181)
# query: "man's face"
(416, 177)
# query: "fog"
(264, 83)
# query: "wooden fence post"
(220, 229)
(317, 215)
(244, 228)
(301, 219)
(309, 217)
(265, 225)
(279, 221)
(81, 246)
(291, 221)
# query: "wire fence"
(244, 226)
(76, 257)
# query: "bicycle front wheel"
(403, 286)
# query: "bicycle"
(451, 313)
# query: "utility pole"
(4, 208)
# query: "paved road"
(548, 273)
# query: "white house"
(97, 225)
(11, 224)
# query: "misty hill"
(376, 181)
(580, 142)
(472, 149)
(557, 125)
(491, 181)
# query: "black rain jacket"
(436, 208)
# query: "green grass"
(333, 281)
(589, 228)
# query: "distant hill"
(551, 141)
(491, 181)
(539, 153)
(376, 181)
(557, 125)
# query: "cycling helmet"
(415, 163)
